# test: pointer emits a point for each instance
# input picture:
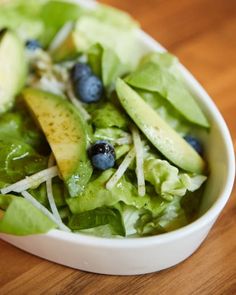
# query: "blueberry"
(32, 44)
(89, 89)
(102, 155)
(79, 71)
(195, 143)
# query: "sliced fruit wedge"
(13, 68)
(160, 134)
(66, 134)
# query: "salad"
(96, 136)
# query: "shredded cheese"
(124, 140)
(31, 181)
(50, 84)
(44, 210)
(139, 161)
(121, 169)
(51, 200)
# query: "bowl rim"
(208, 217)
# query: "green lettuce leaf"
(191, 202)
(168, 180)
(23, 17)
(18, 124)
(22, 218)
(17, 160)
(95, 53)
(40, 194)
(112, 67)
(111, 134)
(131, 217)
(98, 217)
(165, 60)
(173, 217)
(40, 19)
(106, 64)
(54, 14)
(114, 17)
(59, 190)
(106, 115)
(20, 141)
(153, 77)
(96, 195)
(91, 30)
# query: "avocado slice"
(13, 68)
(66, 133)
(161, 135)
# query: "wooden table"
(202, 33)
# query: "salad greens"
(156, 78)
(22, 218)
(106, 63)
(50, 126)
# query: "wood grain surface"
(202, 33)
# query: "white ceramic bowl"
(143, 255)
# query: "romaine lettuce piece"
(21, 218)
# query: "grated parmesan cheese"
(139, 161)
(124, 140)
(50, 196)
(31, 181)
(121, 169)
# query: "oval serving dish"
(131, 256)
